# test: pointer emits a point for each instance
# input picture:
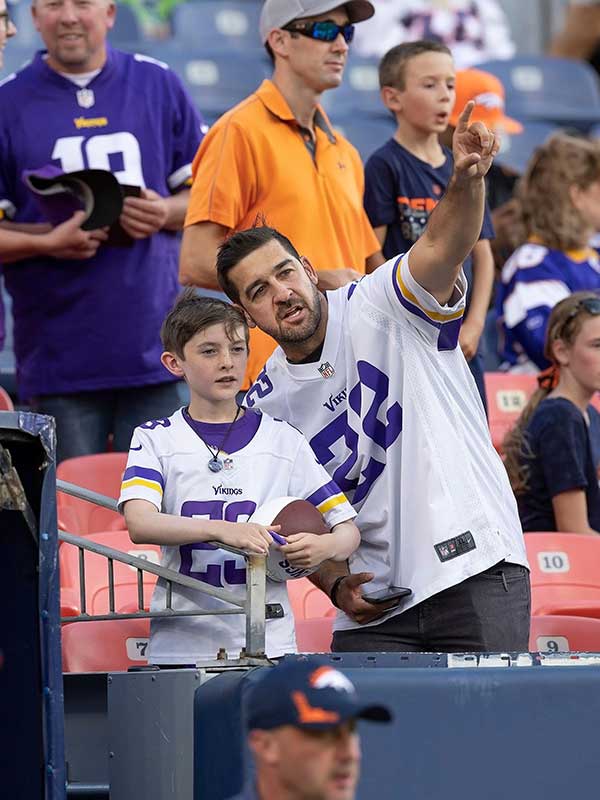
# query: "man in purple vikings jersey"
(86, 329)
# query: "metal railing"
(253, 605)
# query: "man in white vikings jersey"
(372, 375)
(196, 477)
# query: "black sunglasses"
(322, 31)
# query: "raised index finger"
(465, 116)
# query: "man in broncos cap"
(302, 732)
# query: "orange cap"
(488, 93)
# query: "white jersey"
(392, 411)
(265, 459)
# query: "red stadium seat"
(307, 601)
(563, 634)
(103, 646)
(96, 575)
(314, 635)
(102, 473)
(565, 573)
(6, 404)
(507, 395)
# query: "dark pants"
(488, 613)
(85, 420)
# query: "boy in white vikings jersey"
(197, 476)
(373, 377)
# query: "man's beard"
(305, 331)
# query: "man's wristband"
(334, 589)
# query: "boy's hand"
(308, 550)
(468, 338)
(67, 240)
(247, 536)
(145, 215)
(473, 145)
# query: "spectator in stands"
(302, 733)
(169, 495)
(405, 178)
(579, 36)
(87, 321)
(560, 201)
(7, 28)
(373, 376)
(276, 154)
(553, 452)
(474, 30)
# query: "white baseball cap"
(278, 13)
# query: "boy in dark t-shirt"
(407, 176)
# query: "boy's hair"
(564, 324)
(241, 244)
(546, 207)
(393, 64)
(193, 313)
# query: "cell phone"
(384, 595)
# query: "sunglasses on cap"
(322, 31)
(589, 304)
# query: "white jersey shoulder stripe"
(532, 294)
(149, 60)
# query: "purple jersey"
(94, 324)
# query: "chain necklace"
(215, 464)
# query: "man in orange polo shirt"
(276, 155)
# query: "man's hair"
(241, 244)
(192, 313)
(392, 67)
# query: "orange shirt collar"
(276, 103)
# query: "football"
(294, 516)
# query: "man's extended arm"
(455, 224)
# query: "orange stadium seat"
(565, 573)
(103, 646)
(307, 601)
(6, 404)
(314, 635)
(101, 473)
(507, 396)
(96, 575)
(561, 634)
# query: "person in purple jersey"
(86, 328)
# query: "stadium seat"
(215, 80)
(307, 601)
(6, 404)
(96, 575)
(565, 573)
(126, 33)
(366, 133)
(102, 473)
(507, 395)
(314, 635)
(558, 90)
(564, 634)
(103, 646)
(217, 24)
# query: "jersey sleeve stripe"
(324, 493)
(144, 472)
(156, 487)
(181, 177)
(333, 502)
(410, 302)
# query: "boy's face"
(428, 96)
(213, 365)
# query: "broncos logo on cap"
(328, 678)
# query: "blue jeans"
(488, 613)
(85, 420)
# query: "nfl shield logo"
(326, 370)
(85, 98)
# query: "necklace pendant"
(215, 464)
